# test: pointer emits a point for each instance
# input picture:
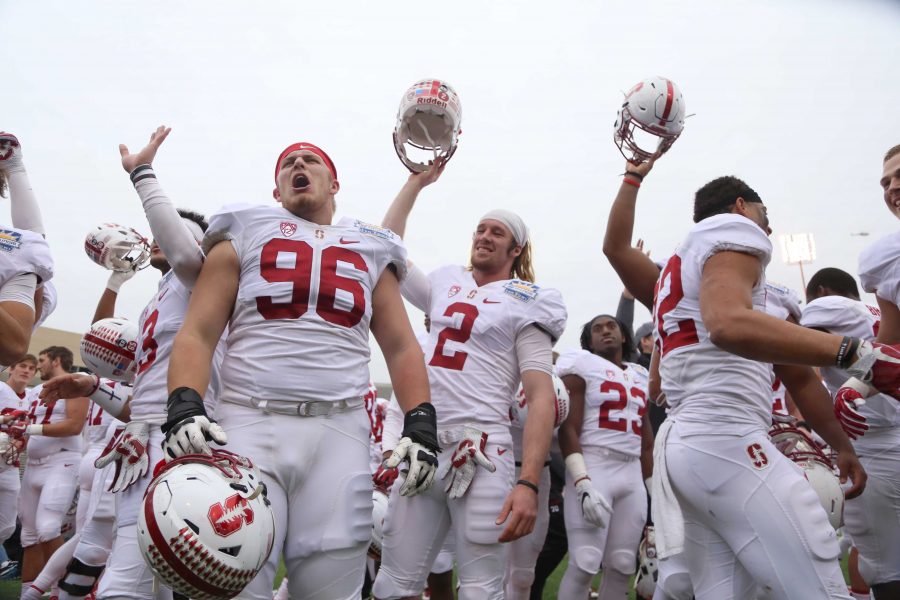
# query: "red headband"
(305, 146)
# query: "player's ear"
(276, 195)
(517, 250)
(335, 186)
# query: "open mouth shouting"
(300, 183)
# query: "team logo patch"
(230, 517)
(288, 229)
(10, 240)
(375, 230)
(521, 290)
(610, 374)
(454, 290)
(758, 457)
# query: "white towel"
(667, 518)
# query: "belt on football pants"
(311, 408)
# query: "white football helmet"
(205, 526)
(648, 567)
(108, 349)
(379, 511)
(428, 119)
(518, 411)
(654, 106)
(117, 248)
(817, 466)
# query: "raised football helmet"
(117, 248)
(205, 526)
(428, 119)
(654, 106)
(797, 445)
(648, 567)
(379, 511)
(518, 411)
(108, 349)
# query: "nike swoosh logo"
(501, 451)
(69, 465)
(343, 241)
(486, 301)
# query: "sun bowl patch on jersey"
(10, 240)
(375, 230)
(521, 290)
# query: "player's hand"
(384, 478)
(129, 451)
(118, 278)
(468, 456)
(594, 507)
(13, 415)
(70, 385)
(429, 176)
(846, 408)
(10, 153)
(878, 365)
(641, 169)
(422, 465)
(850, 468)
(130, 162)
(519, 512)
(188, 430)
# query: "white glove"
(129, 451)
(594, 507)
(10, 153)
(117, 278)
(191, 436)
(422, 465)
(468, 456)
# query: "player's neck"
(18, 388)
(323, 215)
(483, 276)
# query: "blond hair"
(522, 267)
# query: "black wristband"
(183, 403)
(847, 352)
(420, 425)
(528, 484)
(634, 174)
(142, 172)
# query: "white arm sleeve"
(393, 426)
(24, 208)
(20, 288)
(169, 230)
(416, 288)
(535, 350)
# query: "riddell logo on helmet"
(434, 101)
(231, 517)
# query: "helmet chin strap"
(428, 137)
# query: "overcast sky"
(798, 97)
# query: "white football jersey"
(41, 446)
(615, 400)
(705, 385)
(23, 251)
(470, 351)
(879, 268)
(300, 325)
(160, 321)
(844, 316)
(781, 302)
(9, 402)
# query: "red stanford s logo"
(229, 518)
(757, 456)
(288, 229)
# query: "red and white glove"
(878, 365)
(9, 452)
(129, 451)
(10, 153)
(385, 477)
(468, 456)
(846, 408)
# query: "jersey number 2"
(461, 334)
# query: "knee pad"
(83, 585)
(676, 586)
(586, 558)
(622, 561)
(477, 591)
(48, 532)
(90, 554)
(521, 578)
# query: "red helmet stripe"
(670, 97)
(90, 337)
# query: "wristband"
(846, 352)
(634, 174)
(96, 385)
(34, 430)
(528, 484)
(142, 172)
(636, 184)
(420, 425)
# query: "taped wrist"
(183, 403)
(576, 467)
(420, 425)
(110, 398)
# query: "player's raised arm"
(398, 212)
(25, 210)
(172, 233)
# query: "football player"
(12, 407)
(491, 327)
(713, 453)
(53, 438)
(176, 254)
(25, 263)
(879, 264)
(607, 442)
(873, 519)
(300, 295)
